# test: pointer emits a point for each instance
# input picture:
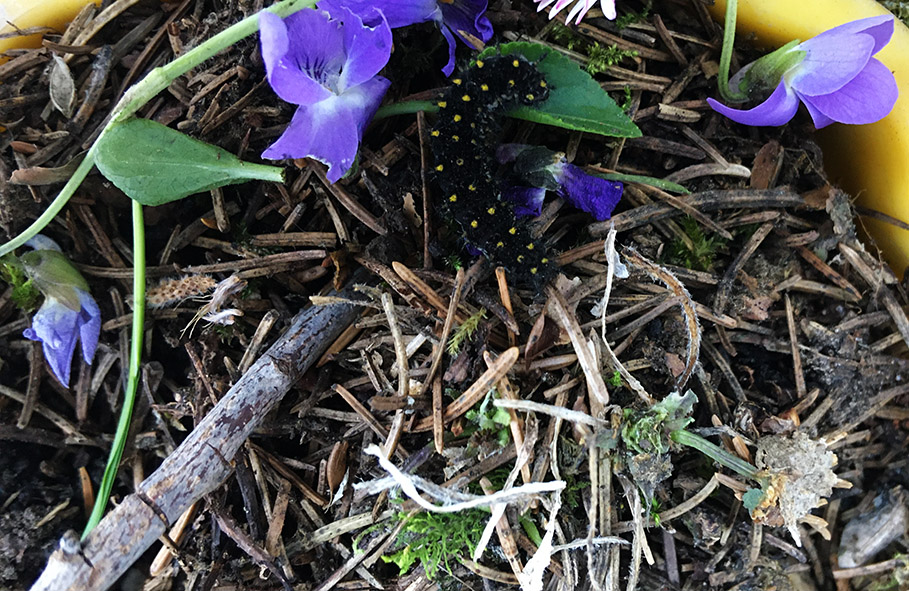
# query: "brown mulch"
(756, 291)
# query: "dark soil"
(799, 327)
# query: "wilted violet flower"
(544, 169)
(833, 74)
(69, 313)
(451, 16)
(580, 8)
(328, 64)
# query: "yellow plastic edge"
(869, 161)
(36, 13)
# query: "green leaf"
(155, 164)
(575, 100)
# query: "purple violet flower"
(543, 169)
(328, 64)
(580, 8)
(836, 78)
(451, 16)
(69, 313)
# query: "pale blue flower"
(833, 74)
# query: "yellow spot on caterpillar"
(520, 258)
(456, 138)
(466, 98)
(474, 224)
(484, 87)
(473, 126)
(453, 198)
(544, 260)
(500, 244)
(542, 84)
(457, 118)
(471, 187)
(491, 211)
(512, 230)
(440, 168)
(442, 104)
(529, 96)
(459, 161)
(435, 133)
(530, 246)
(480, 63)
(533, 270)
(511, 83)
(515, 63)
(456, 81)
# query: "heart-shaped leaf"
(155, 164)
(575, 100)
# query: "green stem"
(715, 452)
(726, 54)
(132, 381)
(54, 208)
(137, 96)
(142, 92)
(161, 77)
(405, 108)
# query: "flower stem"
(405, 108)
(132, 380)
(726, 54)
(715, 452)
(142, 92)
(137, 96)
(54, 208)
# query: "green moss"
(432, 539)
(464, 332)
(25, 295)
(634, 17)
(702, 251)
(602, 57)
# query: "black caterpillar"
(464, 143)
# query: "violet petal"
(448, 68)
(398, 13)
(89, 325)
(589, 193)
(303, 55)
(777, 110)
(879, 27)
(330, 130)
(869, 97)
(368, 48)
(528, 201)
(830, 62)
(56, 326)
(467, 15)
(820, 120)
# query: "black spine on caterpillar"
(464, 142)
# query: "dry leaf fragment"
(62, 87)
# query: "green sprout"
(655, 511)
(701, 254)
(615, 380)
(435, 538)
(491, 418)
(454, 261)
(464, 332)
